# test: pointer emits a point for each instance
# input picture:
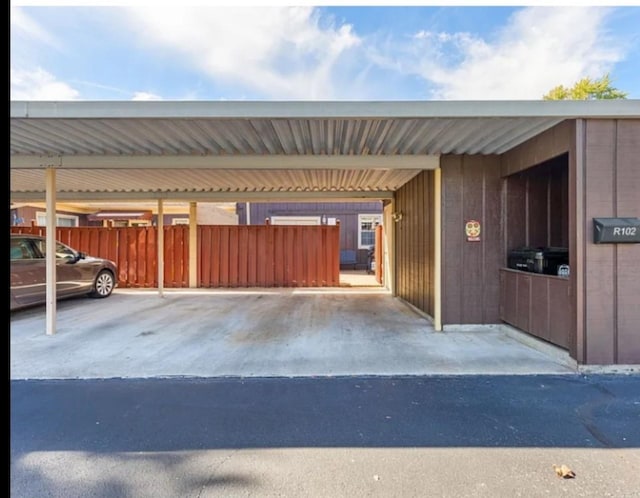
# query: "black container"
(538, 259)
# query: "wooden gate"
(269, 256)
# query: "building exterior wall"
(414, 242)
(608, 302)
(556, 149)
(211, 214)
(346, 212)
(603, 181)
(24, 216)
(472, 189)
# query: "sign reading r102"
(616, 230)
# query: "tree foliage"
(586, 89)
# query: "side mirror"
(77, 256)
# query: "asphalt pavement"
(353, 436)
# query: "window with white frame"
(139, 223)
(295, 220)
(367, 229)
(62, 220)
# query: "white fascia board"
(293, 196)
(568, 109)
(266, 162)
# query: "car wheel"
(103, 285)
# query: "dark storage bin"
(538, 259)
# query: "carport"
(303, 151)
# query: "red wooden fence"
(228, 256)
(269, 256)
(132, 249)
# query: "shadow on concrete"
(146, 415)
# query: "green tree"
(586, 89)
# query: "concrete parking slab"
(258, 332)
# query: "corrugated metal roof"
(162, 136)
(77, 137)
(203, 184)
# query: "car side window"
(21, 249)
(62, 251)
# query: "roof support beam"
(281, 161)
(323, 109)
(291, 196)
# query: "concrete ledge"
(609, 369)
(416, 310)
(561, 355)
(555, 352)
(472, 328)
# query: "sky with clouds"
(207, 52)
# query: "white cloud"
(281, 52)
(539, 49)
(25, 27)
(146, 96)
(38, 84)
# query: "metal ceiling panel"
(96, 145)
(28, 181)
(270, 136)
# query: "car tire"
(103, 285)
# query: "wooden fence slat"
(243, 256)
(252, 261)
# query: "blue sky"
(160, 51)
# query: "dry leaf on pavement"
(564, 471)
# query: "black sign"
(616, 230)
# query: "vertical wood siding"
(471, 189)
(547, 145)
(611, 175)
(537, 209)
(538, 213)
(414, 242)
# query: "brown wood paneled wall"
(549, 144)
(609, 305)
(537, 208)
(414, 242)
(472, 189)
(556, 144)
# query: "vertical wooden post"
(389, 278)
(160, 237)
(437, 253)
(50, 243)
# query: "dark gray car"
(76, 272)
